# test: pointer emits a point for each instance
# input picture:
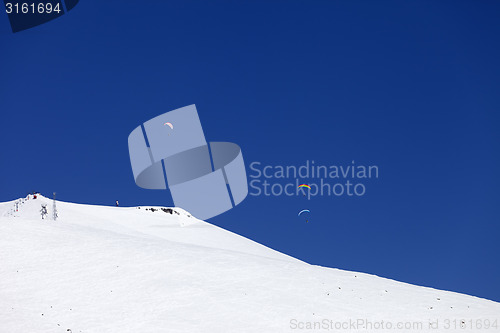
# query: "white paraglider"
(303, 211)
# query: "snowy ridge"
(114, 269)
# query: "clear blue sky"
(410, 86)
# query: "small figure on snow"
(117, 204)
(43, 211)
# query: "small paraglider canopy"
(304, 211)
(169, 125)
(304, 186)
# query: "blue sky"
(412, 87)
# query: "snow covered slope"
(108, 269)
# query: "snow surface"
(113, 269)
